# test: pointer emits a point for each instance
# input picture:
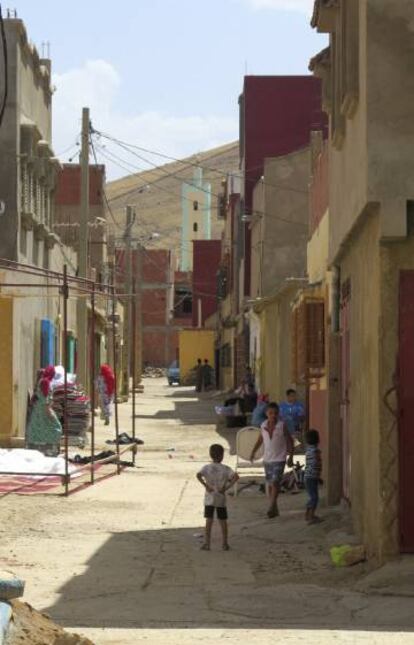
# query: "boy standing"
(292, 413)
(216, 479)
(313, 471)
(278, 444)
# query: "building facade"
(371, 251)
(31, 329)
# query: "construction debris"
(154, 372)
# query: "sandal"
(204, 547)
(226, 547)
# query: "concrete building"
(278, 230)
(31, 329)
(369, 92)
(196, 216)
(228, 288)
(66, 224)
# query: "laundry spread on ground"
(19, 460)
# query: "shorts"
(274, 471)
(220, 510)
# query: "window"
(308, 340)
(195, 227)
(183, 302)
(195, 205)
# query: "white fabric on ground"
(19, 460)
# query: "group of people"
(44, 428)
(204, 375)
(279, 427)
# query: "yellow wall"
(362, 265)
(276, 344)
(318, 249)
(6, 362)
(194, 344)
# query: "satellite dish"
(2, 207)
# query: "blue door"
(47, 351)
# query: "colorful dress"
(44, 429)
(105, 399)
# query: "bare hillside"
(158, 207)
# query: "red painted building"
(206, 263)
(277, 115)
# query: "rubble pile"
(154, 372)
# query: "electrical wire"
(123, 164)
(6, 67)
(253, 212)
(201, 165)
(108, 206)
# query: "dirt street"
(121, 563)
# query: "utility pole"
(82, 310)
(128, 299)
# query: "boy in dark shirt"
(313, 471)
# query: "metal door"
(406, 411)
(346, 388)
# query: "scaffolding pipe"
(65, 292)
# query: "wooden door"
(406, 411)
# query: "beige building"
(369, 93)
(31, 317)
(279, 226)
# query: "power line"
(200, 165)
(108, 206)
(111, 156)
(6, 67)
(253, 212)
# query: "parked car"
(173, 373)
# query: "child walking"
(313, 471)
(278, 446)
(216, 479)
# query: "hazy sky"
(164, 74)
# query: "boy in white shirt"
(216, 479)
(278, 445)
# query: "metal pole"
(92, 385)
(82, 310)
(65, 293)
(134, 366)
(128, 307)
(116, 379)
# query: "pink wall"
(206, 260)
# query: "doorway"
(406, 411)
(345, 378)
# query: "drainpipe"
(199, 315)
(336, 299)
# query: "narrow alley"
(121, 562)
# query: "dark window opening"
(183, 302)
(195, 227)
(195, 205)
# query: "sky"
(162, 74)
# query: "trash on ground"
(346, 555)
